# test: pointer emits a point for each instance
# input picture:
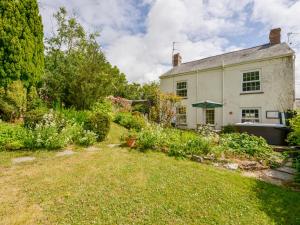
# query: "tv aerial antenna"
(174, 47)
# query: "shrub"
(33, 99)
(78, 135)
(244, 144)
(151, 138)
(46, 136)
(207, 131)
(99, 123)
(77, 116)
(13, 101)
(50, 133)
(130, 121)
(11, 136)
(105, 107)
(86, 138)
(190, 144)
(294, 136)
(228, 129)
(176, 142)
(34, 117)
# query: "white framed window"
(251, 81)
(250, 115)
(181, 89)
(181, 115)
(210, 116)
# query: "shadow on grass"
(280, 204)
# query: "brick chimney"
(275, 36)
(176, 60)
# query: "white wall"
(277, 84)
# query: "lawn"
(122, 186)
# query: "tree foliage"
(77, 72)
(21, 42)
(162, 111)
(13, 100)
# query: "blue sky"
(137, 35)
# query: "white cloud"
(284, 14)
(199, 34)
(140, 44)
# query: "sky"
(137, 35)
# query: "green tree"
(21, 42)
(13, 101)
(77, 72)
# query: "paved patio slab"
(113, 145)
(93, 149)
(65, 153)
(23, 159)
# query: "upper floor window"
(181, 115)
(181, 89)
(250, 115)
(251, 81)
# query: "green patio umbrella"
(207, 105)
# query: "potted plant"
(131, 139)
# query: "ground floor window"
(181, 115)
(210, 116)
(250, 115)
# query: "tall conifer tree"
(21, 42)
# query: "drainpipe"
(223, 73)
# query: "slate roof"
(256, 53)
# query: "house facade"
(253, 85)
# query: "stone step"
(275, 174)
(287, 169)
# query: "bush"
(46, 136)
(244, 144)
(99, 123)
(228, 129)
(131, 121)
(34, 117)
(54, 131)
(173, 141)
(49, 133)
(11, 136)
(13, 101)
(79, 136)
(86, 138)
(105, 107)
(294, 136)
(151, 138)
(190, 144)
(76, 116)
(51, 136)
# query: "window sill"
(251, 92)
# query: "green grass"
(122, 186)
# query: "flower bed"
(188, 144)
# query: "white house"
(249, 85)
